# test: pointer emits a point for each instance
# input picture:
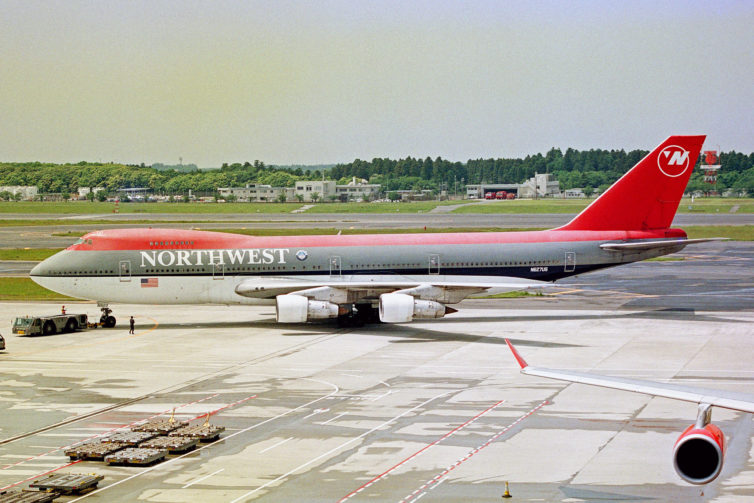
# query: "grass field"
(63, 223)
(27, 253)
(711, 205)
(412, 207)
(88, 208)
(700, 205)
(734, 232)
(26, 289)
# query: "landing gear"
(368, 313)
(358, 315)
(107, 319)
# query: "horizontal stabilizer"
(650, 245)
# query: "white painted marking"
(334, 418)
(316, 411)
(334, 449)
(193, 453)
(382, 396)
(275, 445)
(202, 478)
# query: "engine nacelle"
(698, 454)
(298, 309)
(402, 308)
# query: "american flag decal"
(149, 282)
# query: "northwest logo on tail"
(673, 161)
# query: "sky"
(302, 82)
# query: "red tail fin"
(647, 196)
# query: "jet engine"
(402, 308)
(698, 454)
(298, 309)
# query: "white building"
(323, 188)
(574, 193)
(256, 193)
(478, 191)
(28, 192)
(84, 191)
(357, 190)
(541, 185)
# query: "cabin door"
(570, 262)
(335, 266)
(434, 264)
(124, 270)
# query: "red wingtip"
(521, 362)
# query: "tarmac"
(432, 410)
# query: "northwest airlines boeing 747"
(396, 277)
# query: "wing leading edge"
(726, 399)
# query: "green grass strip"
(26, 289)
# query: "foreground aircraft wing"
(726, 399)
(651, 245)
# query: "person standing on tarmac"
(131, 321)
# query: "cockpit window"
(79, 241)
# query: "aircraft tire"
(110, 322)
(350, 320)
(367, 313)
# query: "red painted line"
(104, 433)
(416, 494)
(417, 453)
(42, 474)
(213, 412)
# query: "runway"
(433, 410)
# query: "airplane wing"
(270, 287)
(651, 245)
(726, 399)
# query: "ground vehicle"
(511, 195)
(489, 195)
(48, 325)
(501, 194)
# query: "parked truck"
(48, 325)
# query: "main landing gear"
(107, 319)
(358, 315)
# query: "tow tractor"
(48, 325)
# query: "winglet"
(522, 363)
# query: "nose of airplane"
(47, 267)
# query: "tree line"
(595, 169)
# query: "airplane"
(393, 278)
(699, 451)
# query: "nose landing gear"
(107, 319)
